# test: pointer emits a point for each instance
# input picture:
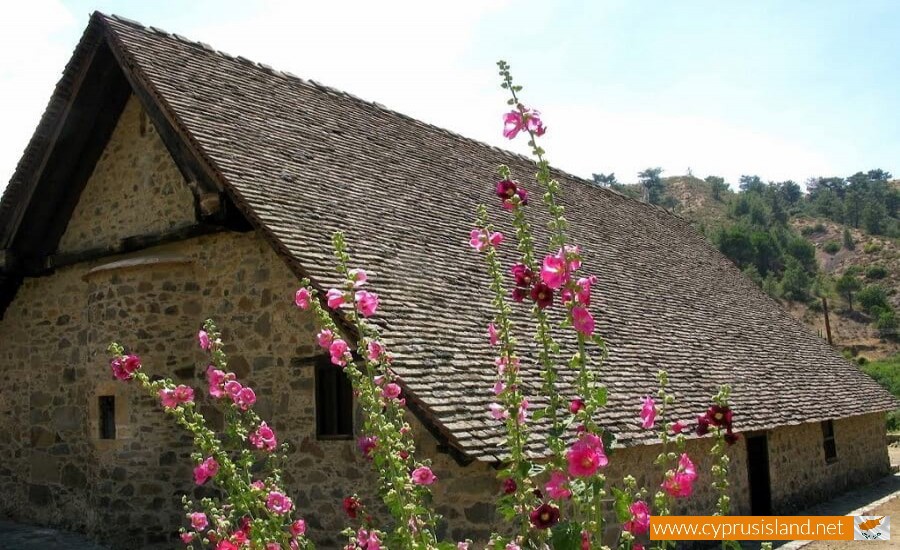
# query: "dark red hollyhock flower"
(731, 438)
(509, 486)
(522, 274)
(702, 425)
(351, 506)
(719, 416)
(519, 294)
(542, 295)
(576, 405)
(506, 189)
(545, 516)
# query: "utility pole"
(827, 323)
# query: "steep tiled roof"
(304, 160)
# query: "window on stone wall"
(334, 402)
(828, 441)
(107, 408)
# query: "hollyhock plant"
(366, 303)
(507, 190)
(264, 438)
(359, 277)
(586, 456)
(124, 367)
(302, 297)
(336, 298)
(493, 334)
(198, 520)
(351, 506)
(340, 352)
(324, 338)
(583, 321)
(423, 476)
(479, 240)
(556, 487)
(640, 518)
(554, 271)
(648, 413)
(542, 295)
(522, 274)
(279, 503)
(203, 340)
(367, 445)
(545, 516)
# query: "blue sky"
(786, 90)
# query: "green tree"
(846, 285)
(795, 282)
(849, 244)
(717, 186)
(873, 299)
(652, 185)
(605, 180)
(751, 184)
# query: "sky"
(783, 90)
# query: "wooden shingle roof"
(302, 160)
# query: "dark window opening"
(107, 405)
(334, 402)
(828, 441)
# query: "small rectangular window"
(334, 402)
(107, 407)
(828, 441)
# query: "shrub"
(871, 248)
(887, 323)
(813, 229)
(796, 282)
(873, 299)
(876, 272)
(849, 244)
(832, 247)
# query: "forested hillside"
(836, 239)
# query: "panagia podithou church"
(168, 182)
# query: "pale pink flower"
(423, 476)
(298, 528)
(258, 485)
(359, 277)
(279, 503)
(687, 467)
(648, 412)
(325, 337)
(366, 303)
(499, 387)
(523, 412)
(263, 437)
(493, 334)
(534, 124)
(479, 239)
(366, 540)
(582, 320)
(206, 470)
(464, 545)
(245, 398)
(336, 298)
(553, 271)
(640, 518)
(513, 546)
(375, 350)
(498, 411)
(556, 486)
(340, 352)
(203, 339)
(302, 298)
(198, 520)
(391, 391)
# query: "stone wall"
(799, 473)
(135, 189)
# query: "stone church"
(169, 182)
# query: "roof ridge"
(379, 106)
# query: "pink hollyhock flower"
(203, 339)
(366, 303)
(263, 437)
(216, 380)
(273, 546)
(534, 124)
(226, 545)
(198, 520)
(499, 387)
(325, 337)
(375, 350)
(687, 467)
(462, 545)
(493, 334)
(367, 445)
(340, 352)
(678, 426)
(513, 546)
(336, 298)
(586, 456)
(640, 518)
(367, 540)
(556, 487)
(498, 412)
(576, 405)
(123, 368)
(522, 275)
(279, 503)
(167, 398)
(544, 516)
(495, 239)
(678, 486)
(523, 412)
(232, 388)
(512, 124)
(585, 540)
(245, 398)
(572, 254)
(258, 485)
(359, 277)
(509, 486)
(554, 271)
(298, 528)
(184, 394)
(302, 298)
(423, 476)
(583, 294)
(391, 391)
(187, 538)
(542, 295)
(206, 470)
(648, 412)
(582, 320)
(479, 239)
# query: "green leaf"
(622, 503)
(566, 536)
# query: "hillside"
(874, 260)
